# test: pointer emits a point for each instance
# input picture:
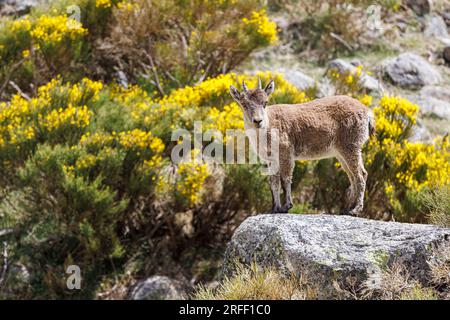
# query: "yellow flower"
(53, 29)
(127, 6)
(85, 162)
(266, 28)
(191, 177)
(349, 79)
(366, 100)
(23, 24)
(25, 53)
(139, 139)
(103, 3)
(70, 116)
(96, 139)
(229, 118)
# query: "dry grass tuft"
(254, 284)
(437, 201)
(395, 283)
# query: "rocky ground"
(332, 248)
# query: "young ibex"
(335, 126)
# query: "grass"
(303, 208)
(437, 201)
(254, 284)
(389, 282)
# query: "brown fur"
(335, 126)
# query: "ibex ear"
(235, 94)
(270, 88)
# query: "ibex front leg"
(286, 171)
(274, 181)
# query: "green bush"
(332, 27)
(171, 43)
(437, 205)
(159, 44)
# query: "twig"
(341, 40)
(5, 263)
(23, 94)
(11, 71)
(171, 77)
(155, 74)
(4, 232)
(205, 73)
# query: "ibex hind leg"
(360, 177)
(356, 167)
(350, 192)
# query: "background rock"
(298, 78)
(329, 247)
(158, 288)
(420, 7)
(446, 54)
(420, 133)
(369, 83)
(436, 27)
(446, 16)
(410, 71)
(434, 100)
(17, 7)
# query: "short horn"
(259, 83)
(244, 86)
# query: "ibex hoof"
(279, 210)
(286, 207)
(352, 213)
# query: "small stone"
(158, 288)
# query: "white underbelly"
(325, 155)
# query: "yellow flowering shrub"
(56, 107)
(97, 139)
(190, 179)
(53, 29)
(70, 116)
(423, 165)
(103, 3)
(33, 34)
(21, 25)
(395, 117)
(259, 23)
(217, 36)
(32, 47)
(350, 83)
(229, 118)
(138, 139)
(405, 167)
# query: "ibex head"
(253, 103)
